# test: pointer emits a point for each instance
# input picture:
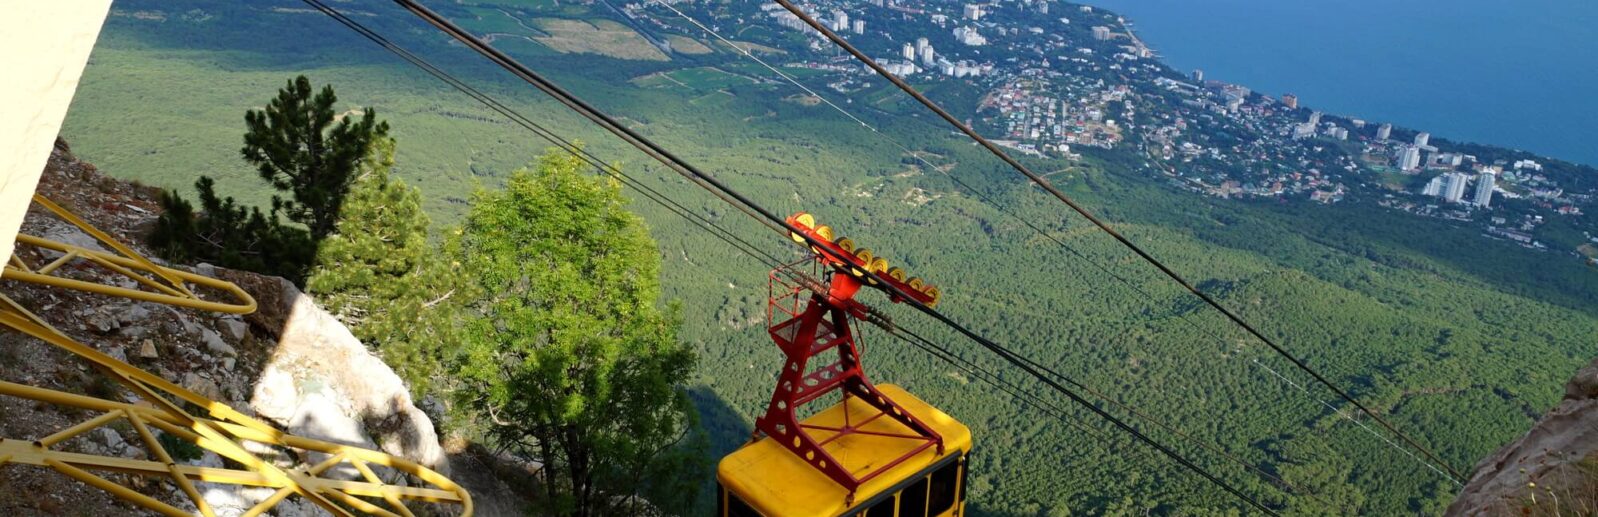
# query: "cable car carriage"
(879, 450)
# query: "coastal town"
(1062, 80)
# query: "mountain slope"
(1461, 344)
(1552, 470)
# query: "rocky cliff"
(1552, 470)
(290, 363)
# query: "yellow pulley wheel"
(865, 256)
(878, 265)
(825, 232)
(804, 220)
(933, 292)
(846, 243)
(896, 273)
(915, 282)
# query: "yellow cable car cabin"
(764, 479)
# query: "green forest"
(1461, 345)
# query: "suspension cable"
(1072, 250)
(1106, 228)
(562, 143)
(939, 352)
(730, 195)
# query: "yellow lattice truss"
(218, 427)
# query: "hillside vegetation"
(1461, 345)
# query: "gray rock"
(233, 329)
(100, 321)
(315, 348)
(318, 417)
(275, 396)
(135, 313)
(113, 441)
(203, 386)
(134, 332)
(216, 345)
(295, 507)
(71, 235)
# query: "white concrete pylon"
(43, 49)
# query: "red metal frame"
(806, 324)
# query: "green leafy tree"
(564, 351)
(295, 144)
(381, 276)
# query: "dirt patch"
(803, 100)
(603, 37)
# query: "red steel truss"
(806, 325)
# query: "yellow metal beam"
(160, 452)
(119, 490)
(222, 434)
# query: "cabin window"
(883, 508)
(944, 484)
(913, 500)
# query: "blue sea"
(1514, 73)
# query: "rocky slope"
(290, 363)
(1552, 470)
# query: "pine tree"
(227, 234)
(378, 273)
(565, 352)
(296, 146)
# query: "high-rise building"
(1409, 158)
(1423, 139)
(973, 11)
(1434, 187)
(1384, 132)
(859, 26)
(1484, 189)
(928, 57)
(1102, 33)
(1315, 118)
(840, 20)
(1290, 100)
(909, 52)
(922, 44)
(969, 36)
(1198, 76)
(1454, 187)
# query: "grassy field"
(687, 45)
(1461, 349)
(603, 37)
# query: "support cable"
(1072, 250)
(550, 136)
(1106, 228)
(728, 194)
(939, 352)
(993, 379)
